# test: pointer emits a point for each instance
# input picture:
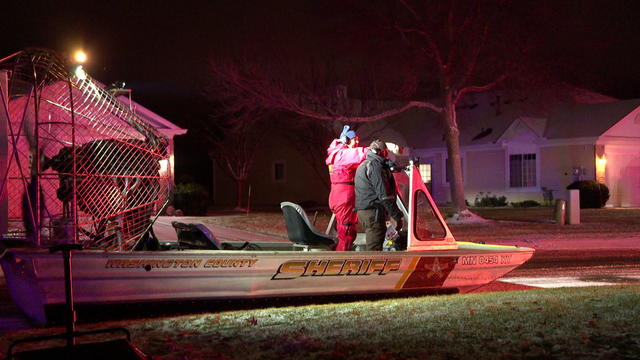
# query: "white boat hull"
(35, 278)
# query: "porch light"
(601, 165)
(163, 167)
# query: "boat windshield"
(402, 187)
(427, 225)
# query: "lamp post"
(79, 57)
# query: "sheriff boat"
(83, 167)
(432, 260)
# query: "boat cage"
(76, 164)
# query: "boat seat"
(195, 236)
(148, 242)
(300, 231)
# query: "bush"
(489, 201)
(525, 204)
(593, 195)
(191, 198)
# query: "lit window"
(522, 170)
(279, 171)
(425, 172)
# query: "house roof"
(534, 126)
(484, 118)
(161, 124)
(588, 120)
(96, 114)
(480, 121)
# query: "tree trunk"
(239, 188)
(452, 137)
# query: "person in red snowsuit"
(343, 157)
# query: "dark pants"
(373, 222)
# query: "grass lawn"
(566, 323)
(585, 323)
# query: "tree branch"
(481, 88)
(432, 44)
(392, 112)
(450, 20)
(410, 9)
(471, 66)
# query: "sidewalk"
(593, 242)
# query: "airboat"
(79, 166)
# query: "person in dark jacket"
(376, 195)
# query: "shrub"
(592, 193)
(525, 204)
(489, 201)
(191, 198)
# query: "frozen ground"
(568, 242)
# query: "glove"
(343, 134)
(390, 164)
(399, 224)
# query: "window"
(279, 171)
(425, 172)
(522, 170)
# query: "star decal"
(436, 270)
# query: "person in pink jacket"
(343, 157)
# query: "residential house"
(278, 174)
(512, 150)
(509, 146)
(164, 126)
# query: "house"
(164, 126)
(513, 150)
(279, 174)
(510, 147)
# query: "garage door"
(628, 187)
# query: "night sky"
(160, 48)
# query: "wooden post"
(560, 212)
(249, 200)
(573, 207)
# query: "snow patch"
(466, 217)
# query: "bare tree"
(404, 54)
(234, 143)
(310, 139)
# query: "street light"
(79, 56)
